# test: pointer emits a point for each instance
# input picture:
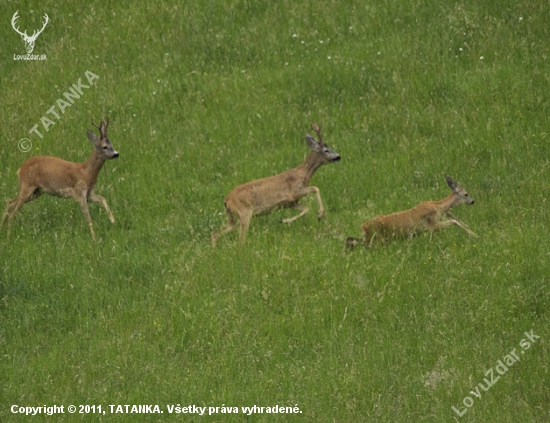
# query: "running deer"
(57, 177)
(427, 216)
(284, 190)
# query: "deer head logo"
(29, 41)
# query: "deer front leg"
(99, 199)
(456, 222)
(84, 206)
(452, 216)
(459, 223)
(296, 206)
(371, 230)
(314, 189)
(446, 223)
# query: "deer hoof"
(351, 243)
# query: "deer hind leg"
(244, 219)
(95, 198)
(351, 242)
(228, 227)
(296, 206)
(9, 207)
(25, 195)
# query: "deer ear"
(450, 182)
(92, 137)
(312, 142)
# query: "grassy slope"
(206, 95)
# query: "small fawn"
(427, 216)
(284, 190)
(60, 178)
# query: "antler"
(97, 126)
(23, 34)
(104, 123)
(102, 127)
(317, 129)
(36, 34)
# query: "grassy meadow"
(202, 96)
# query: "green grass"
(202, 96)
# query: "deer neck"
(309, 166)
(448, 202)
(92, 166)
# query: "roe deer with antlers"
(57, 177)
(427, 216)
(284, 190)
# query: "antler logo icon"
(29, 41)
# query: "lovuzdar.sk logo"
(29, 40)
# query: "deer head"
(29, 41)
(327, 155)
(102, 144)
(460, 192)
